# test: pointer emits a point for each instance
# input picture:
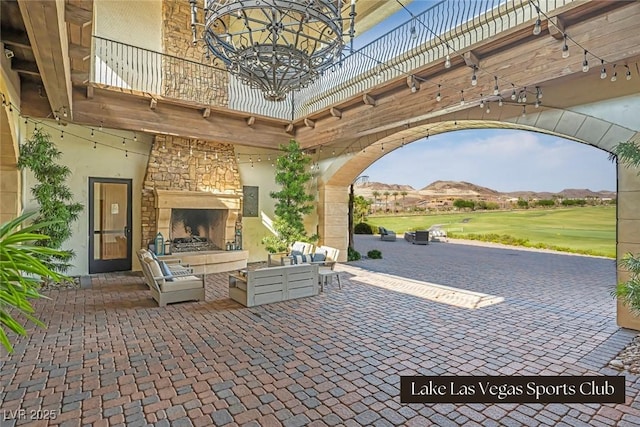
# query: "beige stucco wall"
(262, 175)
(135, 22)
(106, 161)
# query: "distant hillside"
(461, 189)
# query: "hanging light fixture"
(537, 28)
(276, 46)
(585, 63)
(603, 70)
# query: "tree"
(386, 195)
(57, 209)
(403, 194)
(360, 208)
(375, 194)
(293, 202)
(21, 272)
(395, 201)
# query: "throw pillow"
(319, 257)
(298, 257)
(166, 271)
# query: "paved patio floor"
(110, 356)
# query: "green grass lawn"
(590, 229)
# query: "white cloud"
(504, 160)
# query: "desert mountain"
(462, 189)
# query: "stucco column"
(333, 222)
(628, 238)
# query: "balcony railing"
(446, 28)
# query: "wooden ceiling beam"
(121, 111)
(81, 53)
(77, 15)
(556, 27)
(335, 112)
(15, 38)
(43, 20)
(25, 67)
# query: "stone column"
(333, 211)
(628, 233)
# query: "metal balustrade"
(446, 28)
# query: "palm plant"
(21, 273)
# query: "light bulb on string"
(123, 141)
(538, 92)
(474, 77)
(414, 33)
(537, 27)
(496, 90)
(614, 77)
(524, 94)
(603, 70)
(628, 74)
(500, 102)
(100, 128)
(91, 133)
(488, 107)
(537, 104)
(95, 145)
(447, 61)
(126, 153)
(135, 137)
(462, 97)
(481, 102)
(61, 134)
(585, 63)
(565, 47)
(513, 93)
(438, 95)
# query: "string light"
(474, 77)
(585, 63)
(61, 134)
(95, 145)
(126, 153)
(481, 102)
(135, 137)
(500, 102)
(100, 128)
(488, 107)
(462, 97)
(439, 97)
(537, 104)
(91, 132)
(513, 93)
(447, 61)
(538, 92)
(565, 47)
(496, 90)
(628, 75)
(614, 77)
(537, 28)
(603, 71)
(123, 141)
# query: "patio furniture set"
(302, 272)
(419, 237)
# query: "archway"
(573, 125)
(10, 202)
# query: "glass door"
(109, 225)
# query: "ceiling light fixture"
(628, 74)
(447, 61)
(474, 78)
(439, 97)
(603, 70)
(276, 46)
(496, 90)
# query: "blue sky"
(504, 160)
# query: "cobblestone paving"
(110, 356)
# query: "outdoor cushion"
(182, 283)
(155, 270)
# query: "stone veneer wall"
(171, 167)
(190, 81)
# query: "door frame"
(121, 264)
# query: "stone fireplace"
(196, 220)
(192, 193)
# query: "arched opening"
(10, 204)
(572, 125)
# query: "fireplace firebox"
(197, 229)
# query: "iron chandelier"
(276, 46)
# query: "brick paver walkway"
(110, 356)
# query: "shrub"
(353, 255)
(362, 228)
(374, 254)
